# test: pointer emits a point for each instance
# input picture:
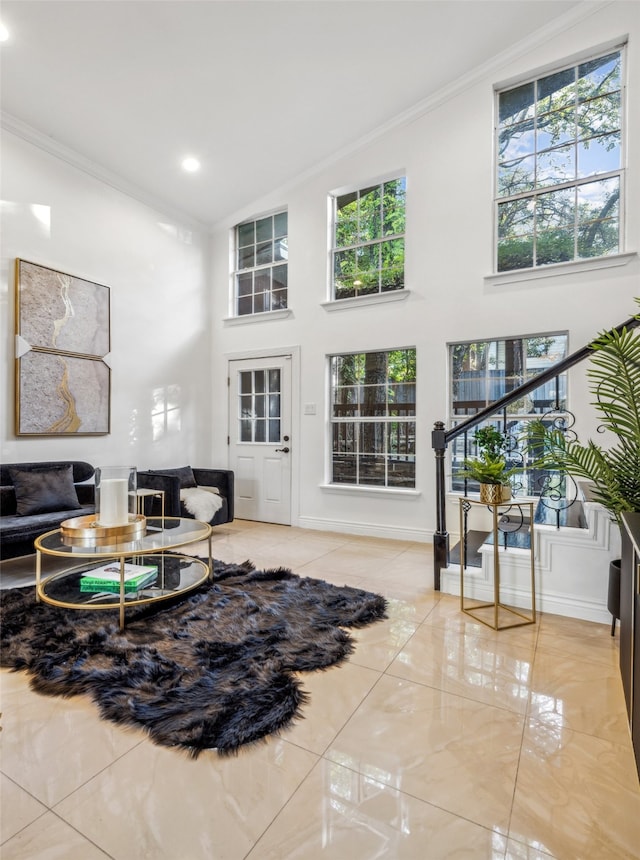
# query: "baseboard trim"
(555, 603)
(366, 529)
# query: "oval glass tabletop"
(162, 533)
(161, 576)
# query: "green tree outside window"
(373, 407)
(368, 248)
(559, 168)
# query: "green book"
(107, 578)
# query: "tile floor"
(440, 738)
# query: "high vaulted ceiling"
(259, 91)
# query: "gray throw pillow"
(185, 473)
(40, 490)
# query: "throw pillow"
(41, 490)
(185, 473)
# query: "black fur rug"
(213, 669)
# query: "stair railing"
(440, 438)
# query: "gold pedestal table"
(507, 518)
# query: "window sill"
(373, 492)
(556, 269)
(360, 301)
(258, 318)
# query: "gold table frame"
(155, 542)
(496, 603)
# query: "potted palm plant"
(489, 468)
(613, 471)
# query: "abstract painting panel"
(61, 312)
(63, 381)
(62, 394)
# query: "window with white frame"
(261, 254)
(368, 240)
(559, 171)
(482, 371)
(373, 428)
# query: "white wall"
(447, 155)
(157, 270)
(170, 291)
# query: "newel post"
(440, 537)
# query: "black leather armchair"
(171, 481)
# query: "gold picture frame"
(63, 378)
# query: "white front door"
(260, 437)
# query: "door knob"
(284, 450)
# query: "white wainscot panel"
(245, 478)
(273, 479)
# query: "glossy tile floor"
(440, 738)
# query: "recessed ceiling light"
(4, 33)
(190, 164)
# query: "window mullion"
(262, 267)
(369, 242)
(561, 186)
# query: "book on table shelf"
(107, 578)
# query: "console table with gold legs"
(507, 518)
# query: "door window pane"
(274, 431)
(274, 379)
(274, 405)
(259, 408)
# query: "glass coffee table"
(175, 575)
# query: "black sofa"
(171, 481)
(45, 494)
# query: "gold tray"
(86, 531)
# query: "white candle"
(114, 510)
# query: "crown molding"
(12, 124)
(585, 9)
(31, 135)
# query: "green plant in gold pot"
(489, 468)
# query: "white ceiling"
(260, 91)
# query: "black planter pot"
(613, 597)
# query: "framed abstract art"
(63, 380)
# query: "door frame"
(293, 353)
